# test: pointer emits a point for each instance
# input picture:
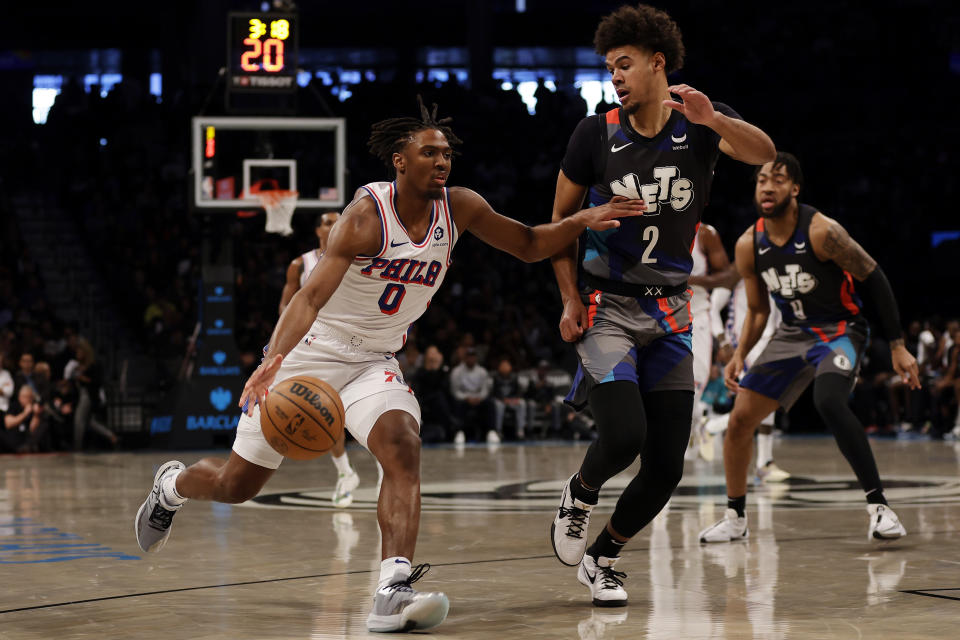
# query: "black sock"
(875, 496)
(583, 494)
(737, 504)
(605, 545)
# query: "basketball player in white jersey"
(727, 335)
(385, 259)
(297, 273)
(711, 268)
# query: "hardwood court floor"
(288, 566)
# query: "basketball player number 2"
(650, 236)
(391, 298)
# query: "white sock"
(168, 490)
(393, 570)
(342, 464)
(764, 449)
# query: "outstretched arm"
(830, 241)
(738, 139)
(530, 244)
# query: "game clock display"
(262, 52)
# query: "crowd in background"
(486, 359)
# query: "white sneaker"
(343, 493)
(884, 523)
(707, 450)
(493, 437)
(397, 607)
(155, 517)
(605, 584)
(569, 527)
(731, 528)
(459, 438)
(770, 472)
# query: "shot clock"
(262, 52)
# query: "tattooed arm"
(830, 241)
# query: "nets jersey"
(310, 260)
(381, 296)
(807, 290)
(672, 172)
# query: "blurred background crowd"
(101, 260)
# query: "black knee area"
(830, 395)
(621, 428)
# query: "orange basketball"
(302, 418)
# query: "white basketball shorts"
(369, 384)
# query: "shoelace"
(611, 578)
(578, 520)
(415, 574)
(161, 517)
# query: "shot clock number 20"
(262, 51)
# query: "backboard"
(231, 154)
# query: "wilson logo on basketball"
(313, 399)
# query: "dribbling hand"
(731, 373)
(603, 217)
(256, 388)
(573, 320)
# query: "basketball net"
(279, 205)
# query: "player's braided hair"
(645, 27)
(389, 136)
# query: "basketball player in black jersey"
(815, 273)
(634, 333)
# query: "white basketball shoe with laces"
(397, 607)
(605, 584)
(732, 527)
(569, 528)
(884, 523)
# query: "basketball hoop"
(279, 205)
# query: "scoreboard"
(262, 52)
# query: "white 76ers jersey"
(382, 295)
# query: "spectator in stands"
(23, 424)
(60, 409)
(544, 405)
(88, 376)
(24, 375)
(6, 385)
(508, 394)
(470, 384)
(431, 382)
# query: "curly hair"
(389, 136)
(645, 27)
(789, 163)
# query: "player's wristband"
(878, 291)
